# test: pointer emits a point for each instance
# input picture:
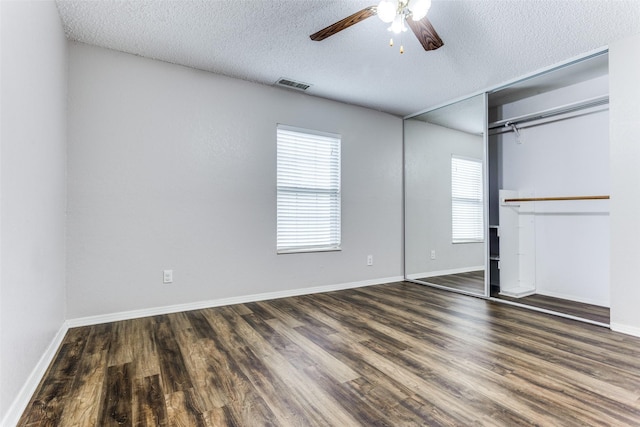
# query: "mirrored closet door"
(548, 165)
(445, 193)
(507, 193)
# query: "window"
(308, 190)
(467, 205)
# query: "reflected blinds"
(466, 200)
(308, 181)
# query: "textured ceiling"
(486, 42)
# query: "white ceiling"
(467, 115)
(486, 43)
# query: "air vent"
(292, 84)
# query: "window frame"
(331, 189)
(477, 202)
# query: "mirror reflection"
(445, 230)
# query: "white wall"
(596, 87)
(428, 151)
(565, 158)
(32, 190)
(174, 168)
(624, 69)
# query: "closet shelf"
(554, 199)
(563, 109)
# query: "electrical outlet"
(369, 260)
(167, 276)
(433, 254)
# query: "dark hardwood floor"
(398, 354)
(472, 281)
(592, 312)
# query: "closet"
(548, 195)
(540, 199)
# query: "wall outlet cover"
(167, 276)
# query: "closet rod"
(555, 199)
(563, 109)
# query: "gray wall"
(173, 168)
(32, 167)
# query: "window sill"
(309, 250)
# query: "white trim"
(625, 329)
(519, 292)
(415, 276)
(23, 397)
(307, 250)
(309, 131)
(133, 314)
(573, 298)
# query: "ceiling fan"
(400, 14)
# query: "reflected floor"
(592, 312)
(472, 281)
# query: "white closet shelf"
(554, 199)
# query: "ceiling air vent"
(292, 84)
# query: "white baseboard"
(517, 293)
(415, 276)
(133, 314)
(625, 329)
(572, 298)
(21, 401)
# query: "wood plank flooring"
(472, 281)
(398, 354)
(578, 309)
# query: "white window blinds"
(466, 200)
(308, 190)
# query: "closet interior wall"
(566, 254)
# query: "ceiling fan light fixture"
(419, 8)
(387, 10)
(396, 13)
(398, 26)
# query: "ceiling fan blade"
(344, 23)
(424, 31)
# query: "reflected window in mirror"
(467, 202)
